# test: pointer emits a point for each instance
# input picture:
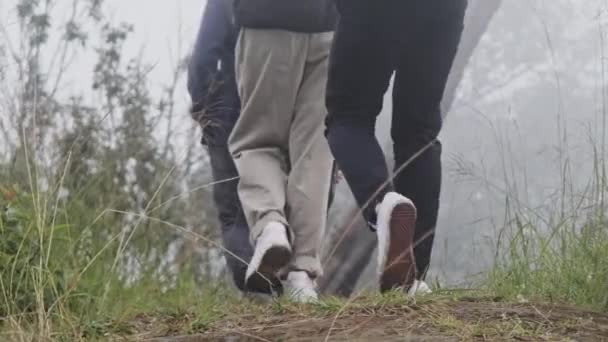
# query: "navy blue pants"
(235, 231)
(416, 40)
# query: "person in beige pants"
(281, 154)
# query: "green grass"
(58, 274)
(465, 315)
(50, 290)
(59, 280)
(569, 266)
(557, 254)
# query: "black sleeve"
(215, 27)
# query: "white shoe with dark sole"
(272, 253)
(301, 288)
(395, 226)
(419, 288)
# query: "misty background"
(532, 98)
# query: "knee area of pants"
(428, 152)
(357, 116)
(415, 135)
(335, 124)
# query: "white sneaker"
(272, 252)
(395, 227)
(300, 288)
(419, 288)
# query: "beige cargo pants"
(278, 143)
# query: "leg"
(420, 81)
(359, 75)
(362, 62)
(216, 129)
(268, 77)
(260, 139)
(235, 232)
(312, 164)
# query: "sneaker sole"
(265, 279)
(400, 267)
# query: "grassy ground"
(59, 281)
(546, 287)
(63, 239)
(449, 316)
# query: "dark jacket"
(309, 16)
(211, 79)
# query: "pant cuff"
(259, 226)
(307, 264)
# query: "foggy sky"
(159, 27)
(538, 66)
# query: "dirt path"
(456, 320)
